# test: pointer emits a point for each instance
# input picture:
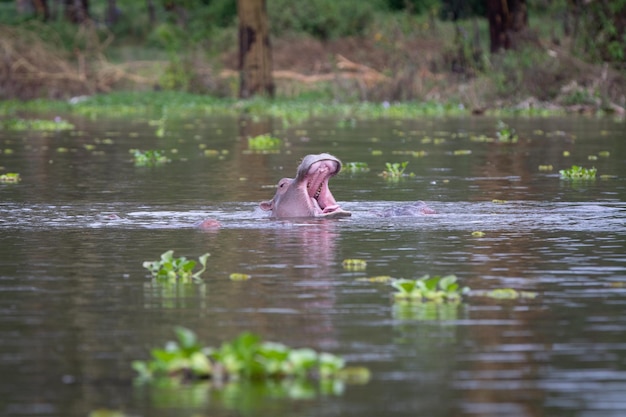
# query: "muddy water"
(77, 306)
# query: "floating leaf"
(239, 277)
(380, 278)
(10, 177)
(509, 294)
(354, 264)
(354, 374)
(186, 337)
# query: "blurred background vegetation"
(572, 52)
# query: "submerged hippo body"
(416, 208)
(307, 195)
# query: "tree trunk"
(77, 11)
(112, 13)
(151, 12)
(507, 19)
(255, 52)
(38, 7)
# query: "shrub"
(323, 19)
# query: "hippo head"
(308, 194)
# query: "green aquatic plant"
(578, 173)
(36, 124)
(415, 154)
(395, 171)
(237, 276)
(505, 133)
(427, 288)
(354, 264)
(10, 178)
(429, 311)
(176, 269)
(183, 357)
(149, 157)
(378, 278)
(354, 167)
(264, 142)
(247, 357)
(507, 294)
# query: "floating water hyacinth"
(176, 269)
(505, 133)
(149, 158)
(355, 167)
(578, 173)
(247, 357)
(395, 171)
(264, 143)
(429, 288)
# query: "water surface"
(78, 308)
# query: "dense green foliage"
(604, 25)
(422, 48)
(323, 19)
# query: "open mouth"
(318, 174)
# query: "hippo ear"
(267, 205)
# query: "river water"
(78, 307)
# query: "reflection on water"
(78, 307)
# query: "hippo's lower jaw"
(333, 212)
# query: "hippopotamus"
(307, 195)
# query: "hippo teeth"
(318, 192)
